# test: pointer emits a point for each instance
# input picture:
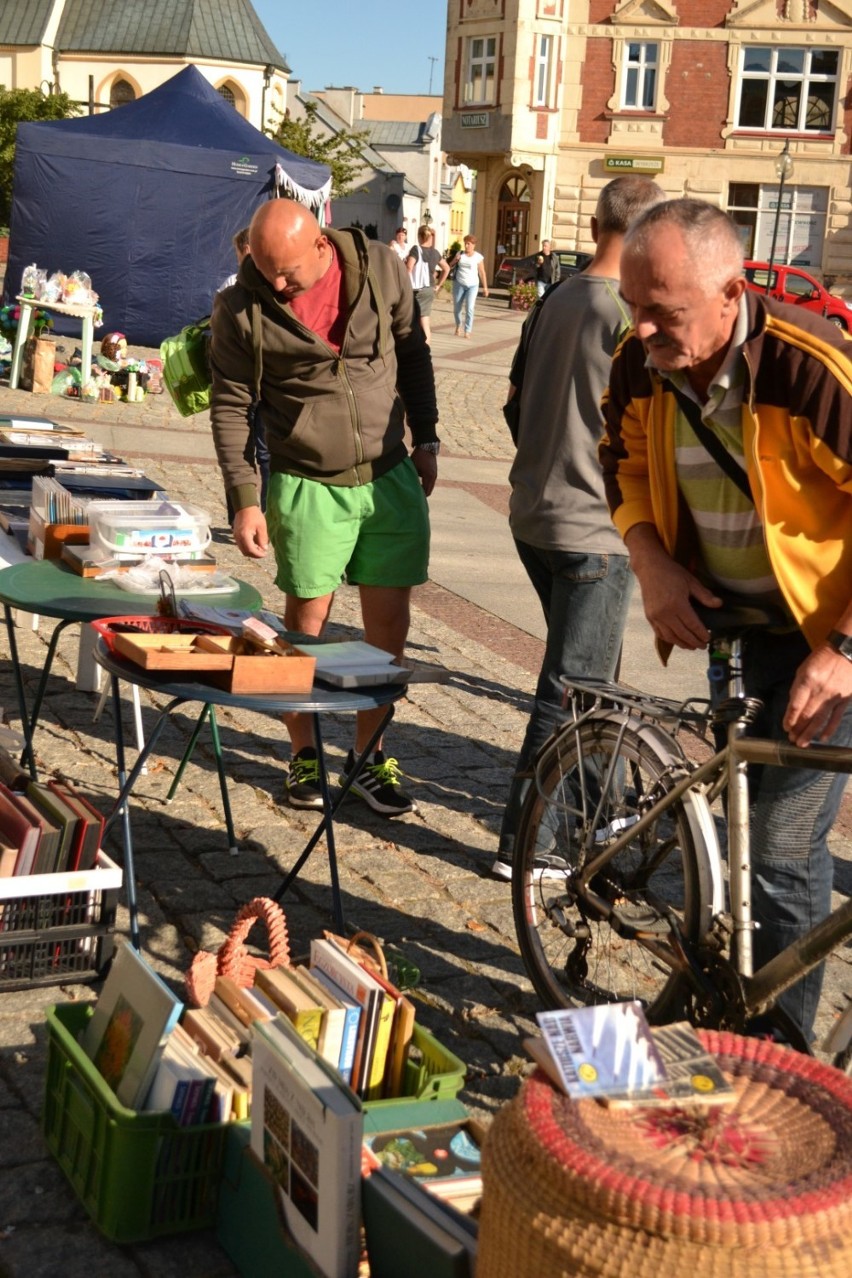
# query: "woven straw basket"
(760, 1187)
(233, 959)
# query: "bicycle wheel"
(591, 783)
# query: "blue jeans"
(792, 812)
(464, 303)
(585, 598)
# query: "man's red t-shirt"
(322, 308)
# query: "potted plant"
(522, 297)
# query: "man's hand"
(426, 465)
(250, 533)
(819, 695)
(667, 590)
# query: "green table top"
(52, 589)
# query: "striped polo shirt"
(728, 528)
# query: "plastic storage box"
(138, 1174)
(136, 528)
(58, 929)
(432, 1073)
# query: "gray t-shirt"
(557, 500)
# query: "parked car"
(792, 284)
(516, 270)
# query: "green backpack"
(186, 365)
(186, 368)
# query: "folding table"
(178, 691)
(51, 589)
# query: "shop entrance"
(513, 216)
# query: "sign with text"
(633, 164)
(475, 119)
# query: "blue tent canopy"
(146, 199)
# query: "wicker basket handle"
(264, 908)
(376, 946)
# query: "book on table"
(444, 1158)
(352, 663)
(130, 1025)
(306, 1129)
(612, 1054)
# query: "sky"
(338, 42)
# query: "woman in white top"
(398, 243)
(470, 273)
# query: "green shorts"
(373, 535)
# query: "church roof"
(219, 30)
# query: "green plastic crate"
(432, 1073)
(138, 1175)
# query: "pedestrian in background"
(469, 274)
(547, 269)
(399, 243)
(345, 370)
(428, 270)
(573, 556)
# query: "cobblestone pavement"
(421, 882)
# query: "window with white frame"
(543, 70)
(787, 90)
(481, 69)
(639, 79)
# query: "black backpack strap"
(711, 442)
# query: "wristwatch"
(840, 643)
(434, 446)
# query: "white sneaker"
(545, 867)
(616, 827)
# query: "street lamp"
(427, 217)
(784, 171)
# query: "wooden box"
(254, 671)
(224, 660)
(178, 652)
(45, 541)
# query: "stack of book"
(157, 1056)
(356, 1021)
(48, 828)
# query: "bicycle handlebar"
(736, 617)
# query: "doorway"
(513, 218)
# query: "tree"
(17, 106)
(341, 151)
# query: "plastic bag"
(54, 288)
(186, 368)
(78, 290)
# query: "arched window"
(227, 93)
(122, 91)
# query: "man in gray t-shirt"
(559, 518)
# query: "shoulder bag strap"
(711, 442)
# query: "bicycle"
(618, 884)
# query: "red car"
(792, 284)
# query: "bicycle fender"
(841, 1033)
(698, 813)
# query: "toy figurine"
(114, 347)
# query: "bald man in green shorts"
(344, 368)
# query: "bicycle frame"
(727, 768)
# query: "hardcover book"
(307, 1132)
(130, 1025)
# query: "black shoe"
(303, 784)
(378, 785)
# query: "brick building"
(548, 100)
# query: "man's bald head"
(288, 247)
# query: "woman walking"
(470, 273)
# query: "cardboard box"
(249, 1225)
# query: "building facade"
(102, 60)
(548, 100)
